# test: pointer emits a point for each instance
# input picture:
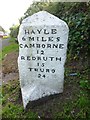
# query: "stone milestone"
(42, 54)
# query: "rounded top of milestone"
(43, 18)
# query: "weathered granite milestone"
(42, 54)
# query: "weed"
(84, 84)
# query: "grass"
(11, 108)
(16, 112)
(12, 47)
(0, 102)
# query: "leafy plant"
(84, 84)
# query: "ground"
(72, 103)
(10, 67)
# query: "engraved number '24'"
(41, 76)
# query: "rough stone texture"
(42, 54)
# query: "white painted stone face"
(42, 54)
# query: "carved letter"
(53, 31)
